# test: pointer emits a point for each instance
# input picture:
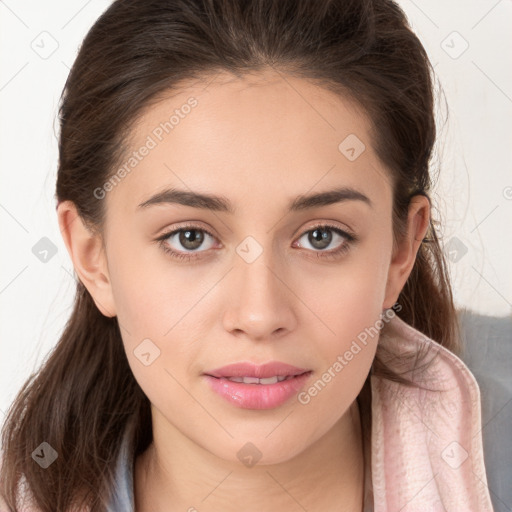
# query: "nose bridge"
(258, 276)
(262, 303)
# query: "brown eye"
(320, 238)
(185, 242)
(323, 236)
(191, 239)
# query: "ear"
(88, 256)
(404, 254)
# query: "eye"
(320, 237)
(190, 238)
(187, 238)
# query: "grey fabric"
(122, 499)
(487, 351)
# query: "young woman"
(263, 318)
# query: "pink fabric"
(427, 450)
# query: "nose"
(262, 304)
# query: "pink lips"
(257, 396)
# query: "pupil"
(191, 238)
(321, 238)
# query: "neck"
(175, 474)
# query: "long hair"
(84, 395)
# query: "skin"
(260, 141)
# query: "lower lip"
(257, 396)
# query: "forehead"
(264, 132)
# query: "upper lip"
(274, 368)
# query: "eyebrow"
(222, 204)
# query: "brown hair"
(85, 395)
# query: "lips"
(251, 371)
(257, 396)
(251, 386)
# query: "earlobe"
(89, 259)
(404, 256)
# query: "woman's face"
(264, 282)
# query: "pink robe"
(426, 446)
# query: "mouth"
(247, 392)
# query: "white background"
(474, 194)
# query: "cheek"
(159, 311)
(334, 388)
(346, 350)
(149, 297)
(155, 325)
(350, 306)
(352, 317)
(351, 297)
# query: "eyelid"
(166, 233)
(317, 224)
(349, 233)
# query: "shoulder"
(426, 363)
(487, 350)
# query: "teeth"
(268, 380)
(251, 380)
(255, 380)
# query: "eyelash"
(344, 248)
